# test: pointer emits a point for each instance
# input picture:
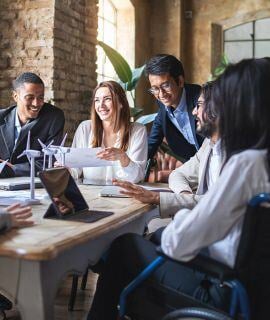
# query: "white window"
(116, 27)
(107, 17)
(248, 40)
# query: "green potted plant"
(128, 79)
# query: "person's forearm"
(124, 160)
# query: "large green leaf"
(134, 112)
(147, 119)
(120, 65)
(136, 74)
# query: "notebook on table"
(68, 202)
(115, 191)
(18, 183)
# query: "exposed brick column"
(75, 38)
(57, 40)
(26, 43)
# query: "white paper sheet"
(8, 198)
(84, 157)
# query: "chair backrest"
(159, 168)
(253, 257)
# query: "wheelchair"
(249, 280)
(196, 314)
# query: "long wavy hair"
(121, 114)
(241, 97)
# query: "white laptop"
(112, 191)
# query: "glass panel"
(109, 11)
(109, 36)
(262, 49)
(101, 8)
(241, 32)
(236, 51)
(106, 33)
(262, 29)
(100, 29)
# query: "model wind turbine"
(47, 151)
(31, 155)
(62, 150)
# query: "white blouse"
(137, 152)
(216, 221)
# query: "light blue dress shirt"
(180, 118)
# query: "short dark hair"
(242, 99)
(26, 77)
(165, 63)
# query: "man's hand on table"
(137, 192)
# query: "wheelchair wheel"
(196, 314)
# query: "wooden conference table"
(34, 260)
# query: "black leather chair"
(249, 280)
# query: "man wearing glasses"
(176, 100)
(30, 113)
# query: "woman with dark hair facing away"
(110, 128)
(241, 97)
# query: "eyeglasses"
(199, 104)
(166, 86)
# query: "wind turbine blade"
(42, 144)
(21, 155)
(28, 140)
(50, 144)
(64, 140)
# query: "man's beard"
(206, 129)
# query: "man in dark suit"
(176, 100)
(30, 113)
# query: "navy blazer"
(163, 128)
(47, 126)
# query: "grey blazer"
(191, 176)
(47, 126)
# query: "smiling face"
(165, 89)
(30, 99)
(205, 126)
(104, 104)
(198, 113)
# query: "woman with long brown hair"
(110, 128)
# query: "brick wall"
(75, 33)
(57, 40)
(26, 43)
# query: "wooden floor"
(83, 301)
